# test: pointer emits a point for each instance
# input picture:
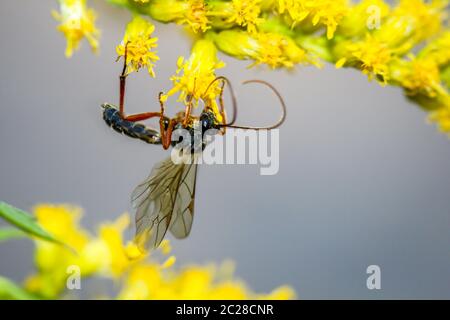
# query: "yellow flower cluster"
(192, 13)
(76, 22)
(139, 44)
(321, 12)
(138, 275)
(406, 44)
(194, 75)
(245, 13)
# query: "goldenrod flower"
(371, 56)
(369, 35)
(438, 49)
(121, 256)
(165, 247)
(245, 13)
(419, 76)
(441, 116)
(325, 12)
(272, 49)
(296, 11)
(411, 22)
(189, 12)
(194, 282)
(77, 22)
(194, 75)
(52, 259)
(139, 45)
(277, 51)
(169, 262)
(445, 76)
(195, 16)
(362, 17)
(107, 255)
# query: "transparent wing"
(181, 223)
(168, 192)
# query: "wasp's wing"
(181, 223)
(160, 197)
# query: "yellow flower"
(106, 254)
(190, 12)
(120, 257)
(195, 16)
(419, 76)
(277, 51)
(140, 277)
(272, 49)
(325, 12)
(77, 22)
(139, 45)
(441, 116)
(371, 56)
(295, 10)
(165, 247)
(62, 221)
(411, 22)
(363, 16)
(438, 49)
(245, 13)
(147, 281)
(194, 75)
(169, 262)
(52, 260)
(445, 76)
(281, 293)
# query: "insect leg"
(166, 131)
(123, 77)
(187, 113)
(133, 117)
(166, 125)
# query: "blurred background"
(363, 179)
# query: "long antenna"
(233, 98)
(282, 104)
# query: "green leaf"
(11, 233)
(10, 290)
(25, 222)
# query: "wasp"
(165, 200)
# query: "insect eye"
(206, 121)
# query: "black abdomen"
(135, 130)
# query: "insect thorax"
(194, 135)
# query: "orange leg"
(141, 116)
(187, 114)
(166, 132)
(133, 117)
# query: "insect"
(165, 200)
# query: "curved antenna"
(233, 98)
(282, 104)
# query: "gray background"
(363, 179)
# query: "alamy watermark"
(374, 280)
(73, 281)
(374, 17)
(256, 147)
